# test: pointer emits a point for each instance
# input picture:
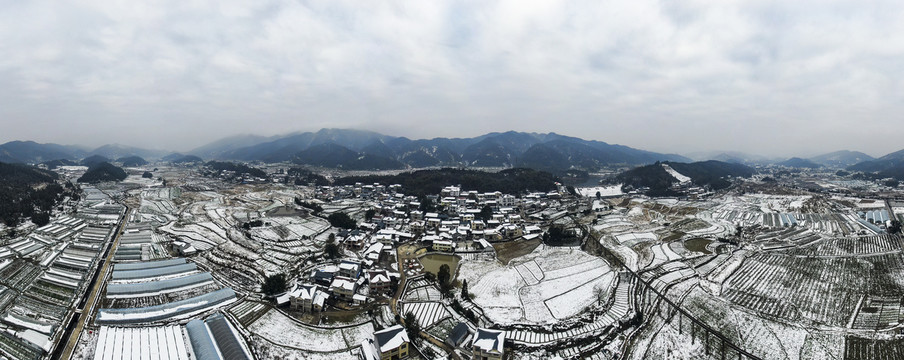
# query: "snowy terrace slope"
(681, 178)
(543, 287)
(823, 290)
(605, 191)
(274, 331)
(760, 336)
(617, 311)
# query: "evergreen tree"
(464, 290)
(274, 284)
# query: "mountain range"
(368, 150)
(836, 159)
(888, 166)
(34, 153)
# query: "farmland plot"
(851, 246)
(426, 313)
(281, 330)
(544, 286)
(863, 348)
(823, 290)
(762, 337)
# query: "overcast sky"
(774, 78)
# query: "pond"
(698, 245)
(432, 262)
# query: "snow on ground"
(765, 338)
(279, 329)
(568, 304)
(269, 351)
(545, 286)
(630, 239)
(678, 176)
(635, 211)
(611, 190)
(611, 221)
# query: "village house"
(350, 269)
(378, 282)
(343, 287)
(387, 344)
(488, 344)
(443, 245)
(307, 298)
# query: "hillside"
(841, 158)
(94, 160)
(103, 172)
(887, 162)
(132, 161)
(336, 156)
(711, 174)
(22, 197)
(32, 152)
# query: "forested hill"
(712, 174)
(238, 169)
(103, 172)
(27, 192)
(430, 182)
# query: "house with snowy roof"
(378, 282)
(443, 245)
(350, 269)
(458, 335)
(307, 298)
(343, 287)
(488, 344)
(389, 343)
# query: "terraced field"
(824, 290)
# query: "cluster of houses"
(454, 219)
(400, 219)
(345, 283)
(456, 216)
(393, 343)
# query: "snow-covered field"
(678, 176)
(630, 239)
(547, 285)
(282, 330)
(605, 191)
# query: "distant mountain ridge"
(841, 158)
(891, 165)
(797, 162)
(35, 153)
(116, 151)
(32, 152)
(368, 150)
